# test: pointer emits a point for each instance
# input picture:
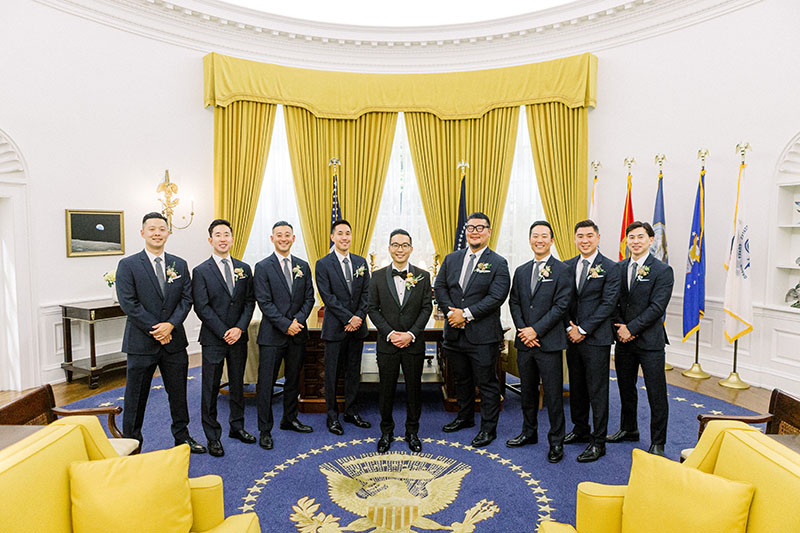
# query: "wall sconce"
(168, 203)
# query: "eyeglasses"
(397, 246)
(478, 229)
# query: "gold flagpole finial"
(629, 162)
(702, 154)
(742, 148)
(595, 165)
(463, 166)
(335, 163)
(659, 160)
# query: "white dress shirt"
(400, 286)
(341, 259)
(221, 267)
(152, 258)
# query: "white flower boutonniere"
(359, 271)
(411, 281)
(238, 273)
(172, 274)
(544, 272)
(596, 272)
(642, 272)
(298, 272)
(483, 268)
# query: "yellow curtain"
(559, 141)
(242, 133)
(486, 143)
(363, 146)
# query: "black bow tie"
(401, 273)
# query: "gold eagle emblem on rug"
(391, 493)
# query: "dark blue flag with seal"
(460, 240)
(694, 289)
(659, 247)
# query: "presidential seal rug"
(322, 483)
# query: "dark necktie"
(228, 276)
(287, 273)
(162, 280)
(468, 273)
(535, 276)
(584, 275)
(401, 273)
(632, 274)
(348, 274)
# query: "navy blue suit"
(543, 310)
(219, 311)
(141, 298)
(280, 305)
(641, 307)
(591, 309)
(341, 304)
(472, 351)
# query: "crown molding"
(577, 27)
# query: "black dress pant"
(627, 361)
(588, 386)
(174, 368)
(389, 370)
(349, 351)
(269, 363)
(475, 364)
(214, 358)
(549, 367)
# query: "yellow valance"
(452, 95)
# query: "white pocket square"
(546, 280)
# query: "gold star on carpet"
(514, 467)
(467, 447)
(315, 451)
(504, 461)
(281, 467)
(493, 456)
(156, 387)
(612, 378)
(524, 474)
(246, 507)
(302, 456)
(291, 461)
(679, 399)
(539, 490)
(715, 412)
(262, 481)
(271, 473)
(481, 451)
(427, 439)
(341, 445)
(250, 498)
(698, 405)
(545, 518)
(255, 488)
(120, 398)
(535, 481)
(106, 404)
(455, 444)
(546, 508)
(189, 377)
(543, 499)
(327, 447)
(355, 441)
(441, 441)
(530, 482)
(369, 440)
(400, 438)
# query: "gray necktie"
(348, 274)
(584, 274)
(468, 272)
(535, 276)
(162, 280)
(287, 273)
(632, 274)
(228, 276)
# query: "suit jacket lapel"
(407, 293)
(337, 267)
(647, 262)
(626, 265)
(391, 286)
(539, 283)
(276, 264)
(484, 258)
(211, 264)
(150, 273)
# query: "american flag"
(336, 210)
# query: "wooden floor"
(754, 398)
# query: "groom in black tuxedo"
(222, 287)
(470, 287)
(155, 292)
(400, 306)
(343, 284)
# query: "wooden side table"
(90, 312)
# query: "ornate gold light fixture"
(170, 201)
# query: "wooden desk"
(92, 313)
(11, 434)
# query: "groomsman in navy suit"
(540, 295)
(644, 296)
(400, 306)
(343, 284)
(470, 287)
(155, 291)
(285, 295)
(590, 334)
(222, 288)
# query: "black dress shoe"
(483, 438)
(356, 420)
(266, 441)
(335, 427)
(592, 453)
(242, 435)
(385, 442)
(521, 440)
(623, 435)
(572, 438)
(458, 424)
(414, 443)
(215, 448)
(657, 449)
(194, 446)
(555, 454)
(296, 425)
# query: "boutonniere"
(110, 278)
(172, 274)
(359, 271)
(238, 273)
(298, 272)
(411, 281)
(596, 272)
(642, 272)
(483, 268)
(544, 272)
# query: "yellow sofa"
(731, 450)
(35, 483)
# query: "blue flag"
(659, 247)
(336, 210)
(694, 290)
(460, 240)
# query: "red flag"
(627, 218)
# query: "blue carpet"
(307, 479)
